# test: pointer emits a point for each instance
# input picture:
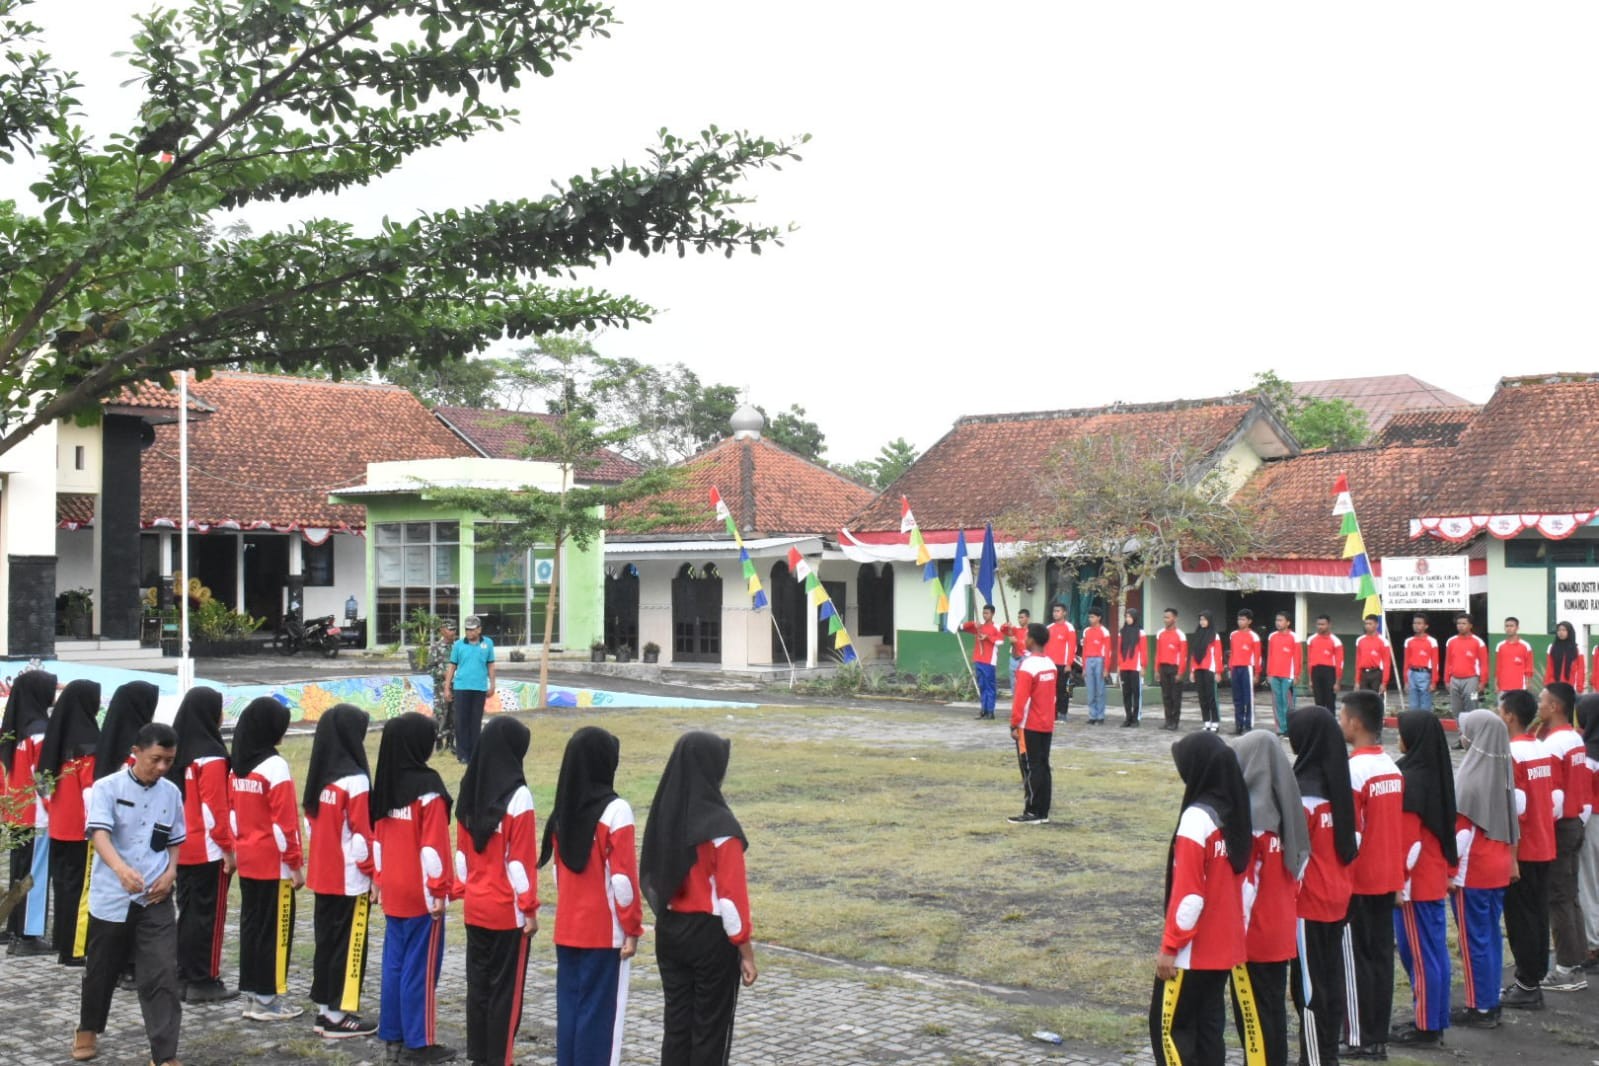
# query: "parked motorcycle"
(318, 634)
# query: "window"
(1537, 552)
(316, 561)
(79, 462)
(512, 607)
(418, 565)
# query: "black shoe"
(1410, 1036)
(1471, 1018)
(346, 1027)
(29, 946)
(1520, 998)
(1369, 1052)
(74, 964)
(1028, 819)
(392, 1050)
(431, 1053)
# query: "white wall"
(1520, 591)
(27, 508)
(75, 567)
(69, 438)
(349, 579)
(655, 605)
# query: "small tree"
(1133, 505)
(1334, 424)
(795, 432)
(521, 519)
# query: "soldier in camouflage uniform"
(443, 709)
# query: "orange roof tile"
(149, 395)
(1440, 427)
(1380, 397)
(502, 435)
(988, 465)
(770, 491)
(276, 445)
(74, 510)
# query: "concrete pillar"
(295, 591)
(1302, 615)
(238, 571)
(810, 617)
(117, 523)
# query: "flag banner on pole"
(1349, 525)
(817, 594)
(987, 565)
(1354, 546)
(752, 581)
(1355, 551)
(960, 580)
(827, 610)
(834, 625)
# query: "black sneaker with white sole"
(1028, 819)
(346, 1027)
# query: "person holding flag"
(985, 656)
(1017, 635)
(1373, 657)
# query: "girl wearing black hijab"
(68, 758)
(1205, 660)
(702, 933)
(205, 861)
(1421, 924)
(1565, 658)
(416, 878)
(21, 741)
(132, 708)
(1204, 935)
(1130, 663)
(1321, 766)
(270, 861)
(590, 836)
(339, 868)
(496, 857)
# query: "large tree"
(881, 471)
(119, 271)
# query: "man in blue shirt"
(136, 825)
(469, 682)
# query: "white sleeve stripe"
(619, 815)
(521, 802)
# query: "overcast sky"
(1056, 204)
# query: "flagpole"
(1341, 489)
(185, 664)
(784, 645)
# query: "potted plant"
(418, 632)
(77, 611)
(597, 652)
(624, 653)
(652, 652)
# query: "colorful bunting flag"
(823, 603)
(1355, 550)
(752, 581)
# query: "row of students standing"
(1363, 875)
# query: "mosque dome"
(747, 423)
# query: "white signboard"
(543, 571)
(1577, 598)
(1426, 583)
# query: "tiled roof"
(770, 490)
(503, 435)
(1437, 428)
(276, 445)
(1534, 449)
(989, 465)
(1380, 397)
(74, 509)
(148, 394)
(1386, 484)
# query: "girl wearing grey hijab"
(1486, 833)
(1271, 887)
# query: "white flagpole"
(185, 664)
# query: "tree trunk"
(550, 607)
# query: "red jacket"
(1484, 861)
(1271, 897)
(1097, 643)
(1171, 648)
(1427, 873)
(1018, 639)
(411, 853)
(1205, 911)
(1209, 659)
(1135, 662)
(266, 821)
(1325, 649)
(1282, 654)
(1379, 820)
(1421, 653)
(1573, 674)
(1062, 647)
(207, 811)
(715, 885)
(25, 808)
(1466, 656)
(985, 649)
(69, 801)
(601, 905)
(1536, 769)
(1574, 781)
(1513, 666)
(501, 883)
(1372, 653)
(1324, 892)
(339, 839)
(1243, 649)
(1033, 695)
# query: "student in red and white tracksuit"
(21, 740)
(1324, 658)
(1016, 636)
(691, 870)
(1205, 663)
(66, 760)
(1271, 887)
(1513, 665)
(1204, 933)
(496, 862)
(1244, 652)
(266, 834)
(601, 917)
(1373, 657)
(1465, 666)
(1318, 980)
(1171, 662)
(339, 868)
(1421, 666)
(1564, 661)
(1032, 727)
(1527, 898)
(1421, 925)
(415, 878)
(1130, 660)
(985, 657)
(1282, 668)
(1062, 651)
(206, 859)
(1573, 801)
(1486, 833)
(1378, 872)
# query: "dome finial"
(747, 422)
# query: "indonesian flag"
(797, 565)
(721, 508)
(907, 520)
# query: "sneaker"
(346, 1027)
(1591, 963)
(1028, 819)
(1564, 979)
(1522, 998)
(429, 1054)
(1472, 1018)
(279, 1010)
(392, 1050)
(29, 946)
(207, 992)
(1410, 1036)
